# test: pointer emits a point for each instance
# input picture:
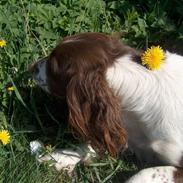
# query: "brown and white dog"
(114, 100)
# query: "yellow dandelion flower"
(153, 57)
(11, 88)
(4, 137)
(2, 43)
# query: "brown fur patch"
(76, 70)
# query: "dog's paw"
(63, 159)
(160, 174)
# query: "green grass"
(31, 29)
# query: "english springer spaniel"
(114, 100)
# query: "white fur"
(154, 175)
(152, 104)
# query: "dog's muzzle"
(38, 72)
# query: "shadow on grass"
(173, 45)
(123, 176)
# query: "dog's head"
(76, 70)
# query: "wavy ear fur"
(79, 74)
(95, 113)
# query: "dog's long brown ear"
(95, 113)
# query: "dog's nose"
(33, 69)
